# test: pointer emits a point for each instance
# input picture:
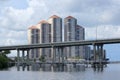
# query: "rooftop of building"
(32, 27)
(69, 17)
(54, 16)
(78, 26)
(43, 21)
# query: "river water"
(111, 72)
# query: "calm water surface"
(111, 72)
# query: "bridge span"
(61, 44)
(97, 47)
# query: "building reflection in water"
(53, 67)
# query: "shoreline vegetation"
(4, 60)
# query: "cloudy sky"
(99, 17)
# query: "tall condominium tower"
(44, 37)
(39, 34)
(73, 32)
(80, 35)
(33, 38)
(50, 31)
(56, 28)
(56, 32)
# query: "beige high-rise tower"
(45, 32)
(33, 38)
(44, 37)
(56, 32)
(40, 33)
(56, 28)
(50, 31)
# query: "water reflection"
(53, 67)
(60, 67)
(99, 67)
(110, 72)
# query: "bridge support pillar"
(94, 52)
(102, 52)
(18, 59)
(62, 54)
(98, 54)
(23, 55)
(59, 54)
(28, 54)
(53, 54)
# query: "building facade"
(51, 31)
(56, 28)
(33, 38)
(73, 32)
(88, 53)
(44, 37)
(45, 32)
(56, 33)
(79, 35)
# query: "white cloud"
(103, 32)
(15, 42)
(10, 37)
(14, 22)
(106, 17)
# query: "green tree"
(4, 59)
(5, 52)
(3, 62)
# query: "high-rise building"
(44, 37)
(45, 32)
(56, 33)
(79, 35)
(51, 31)
(33, 38)
(73, 32)
(56, 28)
(39, 34)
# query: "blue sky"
(101, 15)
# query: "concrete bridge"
(97, 47)
(61, 44)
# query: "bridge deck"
(61, 44)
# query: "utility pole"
(96, 32)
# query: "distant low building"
(87, 53)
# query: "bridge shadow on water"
(60, 67)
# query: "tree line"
(4, 60)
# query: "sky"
(100, 18)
